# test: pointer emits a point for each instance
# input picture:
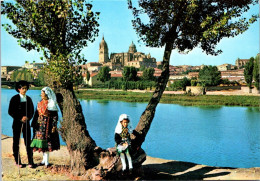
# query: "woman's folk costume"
(122, 135)
(46, 137)
(20, 106)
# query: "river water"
(215, 136)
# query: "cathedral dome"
(132, 48)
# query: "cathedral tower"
(103, 52)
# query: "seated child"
(122, 138)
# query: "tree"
(104, 74)
(60, 30)
(40, 80)
(129, 73)
(183, 25)
(256, 72)
(23, 74)
(88, 75)
(248, 73)
(180, 84)
(148, 74)
(209, 76)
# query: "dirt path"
(154, 168)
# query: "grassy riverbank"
(182, 99)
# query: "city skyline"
(116, 27)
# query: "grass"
(182, 99)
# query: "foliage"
(206, 100)
(104, 74)
(256, 71)
(59, 29)
(228, 82)
(187, 71)
(126, 85)
(180, 84)
(209, 76)
(148, 74)
(40, 80)
(248, 72)
(190, 23)
(142, 68)
(88, 75)
(129, 73)
(23, 74)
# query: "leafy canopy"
(256, 71)
(104, 74)
(248, 71)
(59, 29)
(129, 73)
(209, 76)
(187, 24)
(148, 74)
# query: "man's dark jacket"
(18, 109)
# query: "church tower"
(103, 52)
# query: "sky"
(116, 27)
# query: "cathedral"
(132, 58)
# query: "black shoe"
(40, 164)
(32, 165)
(130, 171)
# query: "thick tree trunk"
(86, 158)
(147, 117)
(73, 131)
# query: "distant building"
(224, 67)
(33, 66)
(118, 60)
(193, 75)
(234, 75)
(241, 62)
(6, 69)
(93, 66)
(92, 80)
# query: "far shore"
(153, 168)
(212, 98)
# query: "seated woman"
(46, 137)
(123, 142)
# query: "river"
(216, 136)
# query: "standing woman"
(46, 137)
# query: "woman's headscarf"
(118, 129)
(52, 101)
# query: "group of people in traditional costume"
(44, 124)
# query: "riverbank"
(154, 168)
(213, 98)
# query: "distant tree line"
(129, 79)
(27, 75)
(251, 72)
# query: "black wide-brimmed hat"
(20, 84)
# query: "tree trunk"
(146, 118)
(84, 153)
(73, 130)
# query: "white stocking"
(46, 158)
(129, 160)
(122, 156)
(43, 158)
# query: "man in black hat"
(21, 110)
